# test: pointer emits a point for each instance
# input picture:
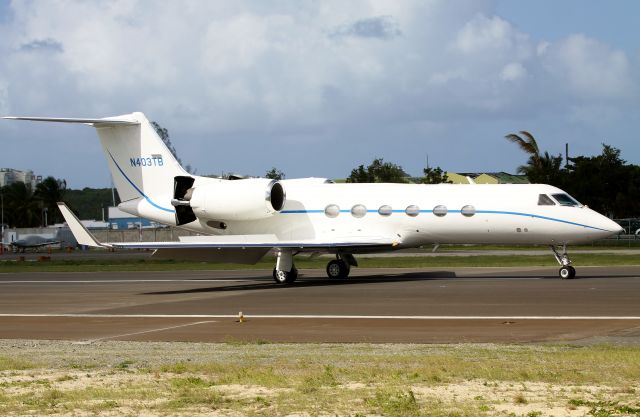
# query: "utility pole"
(2, 224)
(113, 193)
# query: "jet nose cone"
(612, 227)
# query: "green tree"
(20, 208)
(49, 192)
(378, 171)
(89, 203)
(164, 135)
(274, 174)
(434, 176)
(605, 183)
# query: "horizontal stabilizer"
(94, 122)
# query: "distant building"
(486, 178)
(9, 176)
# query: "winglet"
(80, 232)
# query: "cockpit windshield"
(565, 200)
(545, 200)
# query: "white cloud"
(492, 35)
(316, 74)
(591, 68)
(513, 72)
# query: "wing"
(230, 248)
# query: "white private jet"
(241, 220)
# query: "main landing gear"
(566, 270)
(340, 267)
(285, 271)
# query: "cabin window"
(385, 211)
(358, 211)
(468, 211)
(440, 211)
(545, 200)
(332, 211)
(565, 200)
(412, 210)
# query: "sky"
(316, 88)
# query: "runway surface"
(374, 305)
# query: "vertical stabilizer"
(141, 164)
(142, 167)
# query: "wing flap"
(255, 241)
(248, 256)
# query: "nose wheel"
(285, 271)
(566, 270)
(285, 277)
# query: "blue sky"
(317, 88)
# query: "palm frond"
(532, 141)
(525, 145)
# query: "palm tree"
(541, 169)
(49, 192)
(528, 144)
(21, 209)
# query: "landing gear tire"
(567, 272)
(338, 269)
(285, 277)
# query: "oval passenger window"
(332, 211)
(358, 211)
(468, 210)
(412, 210)
(385, 210)
(440, 211)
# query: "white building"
(9, 176)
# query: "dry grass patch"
(132, 378)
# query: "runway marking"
(313, 316)
(87, 342)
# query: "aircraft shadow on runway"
(359, 280)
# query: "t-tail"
(144, 171)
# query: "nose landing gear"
(285, 272)
(566, 270)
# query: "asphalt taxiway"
(373, 305)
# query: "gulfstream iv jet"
(242, 220)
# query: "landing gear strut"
(285, 272)
(566, 270)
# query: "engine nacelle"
(250, 199)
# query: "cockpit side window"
(545, 200)
(565, 200)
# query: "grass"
(305, 262)
(319, 379)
